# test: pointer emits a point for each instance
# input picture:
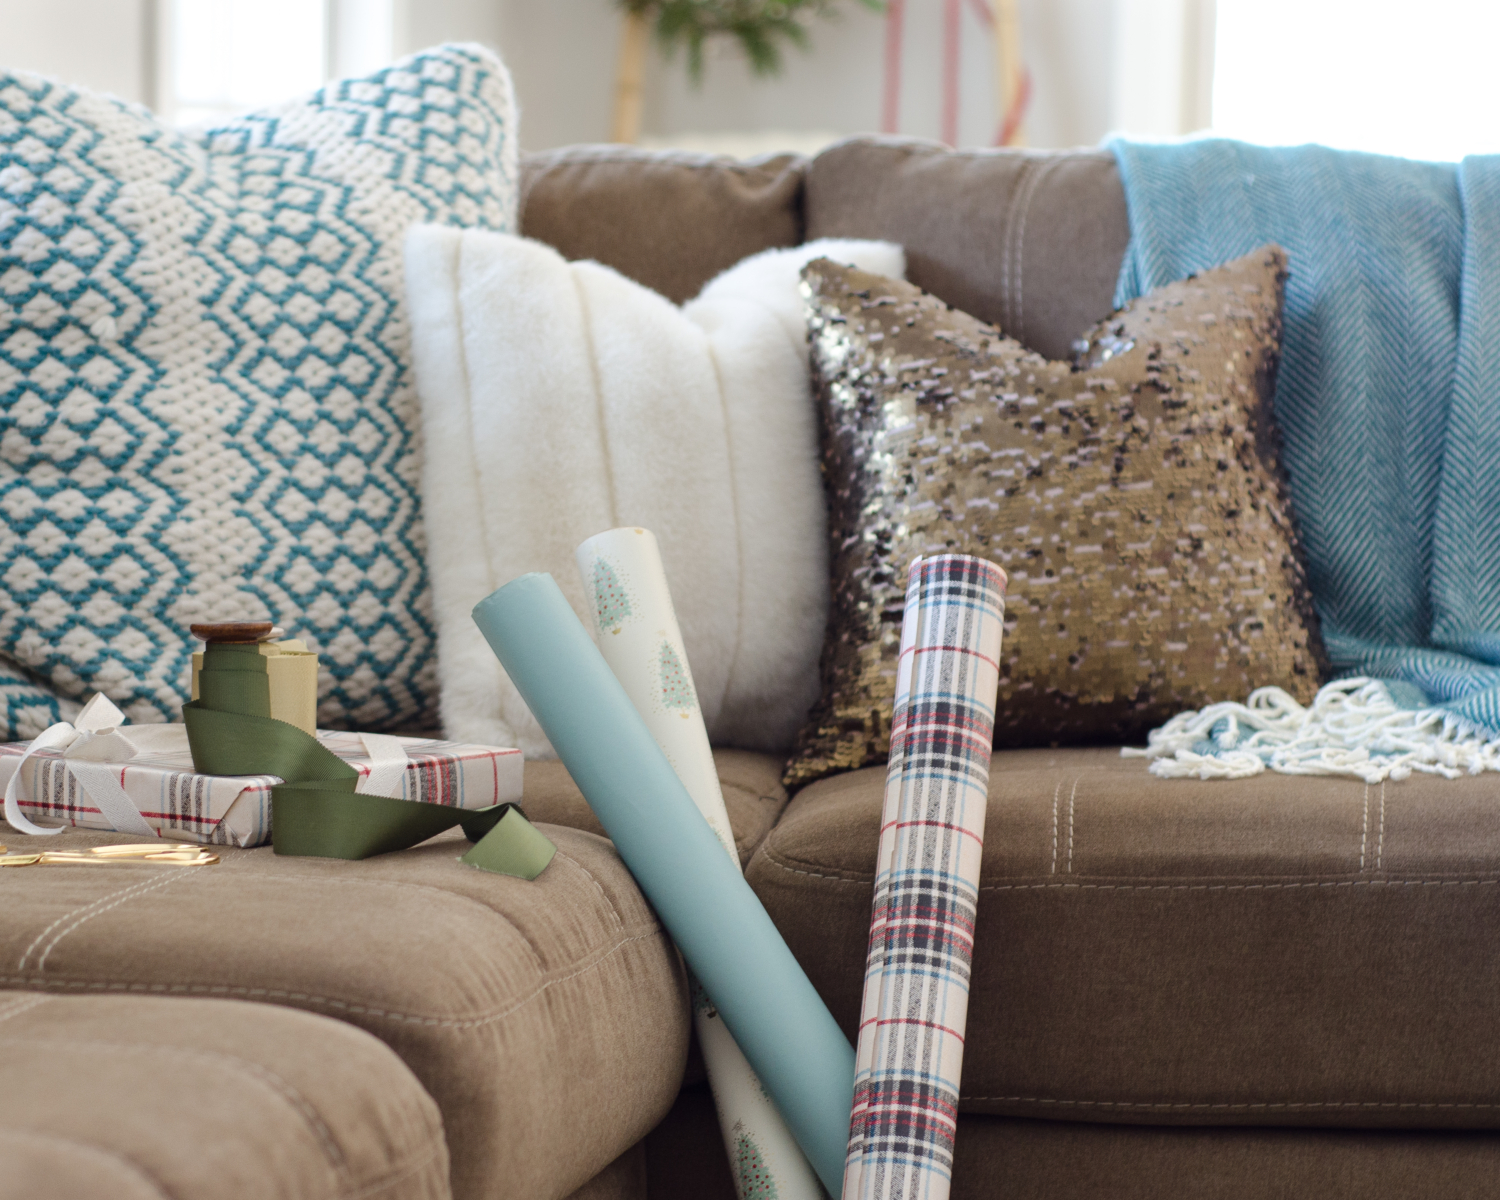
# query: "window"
(1388, 76)
(224, 57)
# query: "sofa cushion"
(548, 1019)
(206, 373)
(671, 221)
(139, 1098)
(1000, 1158)
(1281, 950)
(995, 1158)
(1026, 240)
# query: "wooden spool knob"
(235, 633)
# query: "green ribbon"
(316, 811)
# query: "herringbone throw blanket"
(1388, 394)
(916, 1000)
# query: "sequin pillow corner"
(206, 380)
(1134, 497)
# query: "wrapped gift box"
(235, 810)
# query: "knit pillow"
(1134, 499)
(205, 371)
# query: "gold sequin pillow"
(1134, 499)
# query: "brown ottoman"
(548, 1020)
(133, 1097)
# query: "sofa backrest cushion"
(668, 220)
(1028, 241)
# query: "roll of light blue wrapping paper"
(719, 924)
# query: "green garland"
(761, 27)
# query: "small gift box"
(77, 776)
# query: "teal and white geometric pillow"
(208, 411)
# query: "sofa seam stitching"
(325, 1001)
(103, 1152)
(1364, 830)
(1033, 181)
(1236, 1106)
(71, 913)
(20, 1006)
(598, 887)
(394, 1177)
(163, 881)
(257, 1071)
(1153, 887)
(1380, 837)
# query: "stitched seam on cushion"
(1155, 887)
(1008, 250)
(1380, 837)
(1033, 181)
(302, 998)
(93, 1147)
(263, 1075)
(21, 1005)
(397, 1176)
(786, 865)
(293, 877)
(1056, 793)
(1364, 829)
(598, 887)
(1072, 799)
(1279, 1106)
(21, 964)
(171, 876)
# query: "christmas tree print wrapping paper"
(916, 999)
(724, 932)
(638, 636)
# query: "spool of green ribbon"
(316, 811)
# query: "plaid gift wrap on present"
(235, 810)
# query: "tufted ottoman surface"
(138, 1098)
(548, 1020)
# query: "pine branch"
(761, 27)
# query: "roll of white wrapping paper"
(639, 639)
(909, 1056)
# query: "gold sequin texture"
(1134, 498)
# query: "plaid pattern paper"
(916, 998)
(235, 810)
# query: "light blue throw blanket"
(1388, 395)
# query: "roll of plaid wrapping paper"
(638, 636)
(719, 924)
(916, 997)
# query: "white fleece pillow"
(561, 399)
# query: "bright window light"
(229, 56)
(1387, 76)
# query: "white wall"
(107, 45)
(563, 52)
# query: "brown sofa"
(1278, 987)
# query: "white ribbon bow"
(92, 747)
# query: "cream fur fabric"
(561, 399)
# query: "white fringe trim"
(1352, 728)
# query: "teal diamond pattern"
(206, 384)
